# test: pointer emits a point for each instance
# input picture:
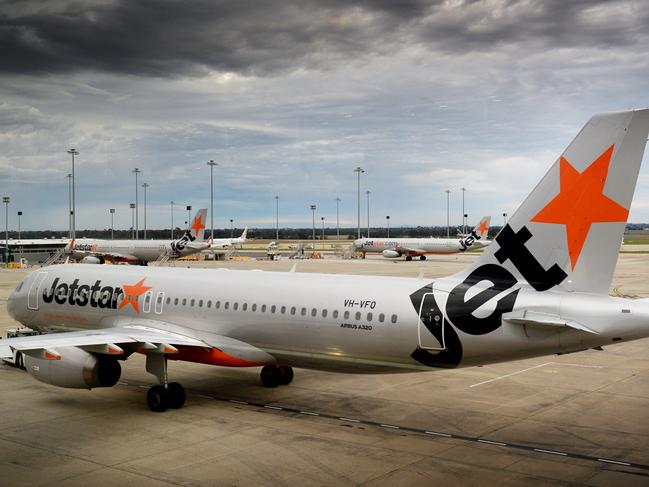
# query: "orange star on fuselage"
(581, 202)
(131, 293)
(198, 225)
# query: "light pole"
(338, 218)
(323, 245)
(172, 219)
(211, 163)
(313, 208)
(69, 176)
(132, 205)
(359, 170)
(112, 223)
(6, 200)
(466, 219)
(231, 228)
(448, 225)
(73, 212)
(145, 186)
(20, 248)
(504, 219)
(136, 171)
(189, 216)
(276, 218)
(368, 212)
(463, 214)
(388, 220)
(20, 213)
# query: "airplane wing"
(111, 255)
(535, 318)
(131, 337)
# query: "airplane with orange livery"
(98, 251)
(419, 247)
(542, 287)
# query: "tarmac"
(578, 419)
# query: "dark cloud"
(174, 38)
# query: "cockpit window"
(19, 287)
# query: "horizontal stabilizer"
(535, 318)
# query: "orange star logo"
(131, 294)
(581, 202)
(198, 225)
(483, 228)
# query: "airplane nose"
(11, 305)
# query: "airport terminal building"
(33, 251)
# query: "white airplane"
(541, 288)
(97, 251)
(223, 243)
(419, 247)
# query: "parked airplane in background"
(540, 288)
(96, 251)
(419, 247)
(223, 243)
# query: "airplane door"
(32, 296)
(431, 326)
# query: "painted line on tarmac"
(409, 429)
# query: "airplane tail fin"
(198, 225)
(568, 231)
(244, 234)
(482, 228)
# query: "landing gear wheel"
(270, 376)
(286, 375)
(20, 362)
(176, 395)
(408, 258)
(422, 257)
(158, 399)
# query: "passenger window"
(324, 313)
(244, 307)
(335, 314)
(303, 311)
(254, 307)
(184, 301)
(293, 310)
(218, 304)
(209, 303)
(283, 309)
(273, 308)
(263, 308)
(226, 305)
(381, 318)
(346, 315)
(369, 316)
(358, 316)
(394, 318)
(314, 311)
(200, 303)
(235, 306)
(168, 300)
(175, 301)
(191, 303)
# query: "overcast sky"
(289, 96)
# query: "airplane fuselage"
(135, 250)
(425, 245)
(321, 321)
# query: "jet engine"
(76, 369)
(390, 254)
(91, 259)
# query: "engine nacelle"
(91, 259)
(77, 369)
(390, 254)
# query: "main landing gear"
(166, 394)
(276, 375)
(408, 258)
(422, 257)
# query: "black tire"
(286, 375)
(157, 398)
(175, 395)
(422, 257)
(270, 376)
(408, 258)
